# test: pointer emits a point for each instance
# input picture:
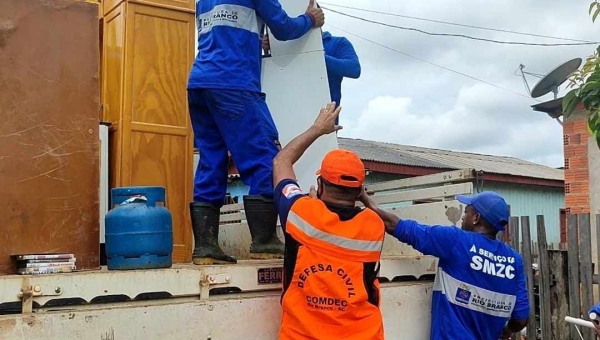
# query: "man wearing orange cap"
(332, 247)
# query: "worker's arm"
(513, 326)
(345, 63)
(389, 220)
(283, 164)
(283, 26)
(438, 241)
(286, 193)
(287, 190)
(520, 315)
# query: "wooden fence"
(560, 282)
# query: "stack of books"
(34, 264)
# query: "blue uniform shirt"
(229, 41)
(480, 282)
(341, 61)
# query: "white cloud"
(402, 100)
(476, 123)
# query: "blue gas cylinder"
(139, 231)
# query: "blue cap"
(595, 309)
(491, 206)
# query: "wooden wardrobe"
(148, 49)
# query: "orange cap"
(342, 167)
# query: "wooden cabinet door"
(157, 145)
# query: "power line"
(433, 64)
(460, 25)
(455, 35)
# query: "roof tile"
(445, 159)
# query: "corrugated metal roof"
(445, 159)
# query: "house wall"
(236, 186)
(525, 200)
(577, 171)
(582, 178)
(594, 171)
(378, 177)
(529, 200)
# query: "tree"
(585, 84)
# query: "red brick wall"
(577, 179)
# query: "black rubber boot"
(205, 223)
(261, 216)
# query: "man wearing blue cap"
(480, 292)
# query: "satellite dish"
(555, 78)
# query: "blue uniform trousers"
(238, 121)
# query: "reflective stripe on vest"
(336, 240)
(312, 224)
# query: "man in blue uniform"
(229, 113)
(480, 290)
(341, 62)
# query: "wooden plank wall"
(564, 279)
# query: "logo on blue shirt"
(463, 295)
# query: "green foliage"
(585, 84)
(594, 7)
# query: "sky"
(401, 100)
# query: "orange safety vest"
(327, 298)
